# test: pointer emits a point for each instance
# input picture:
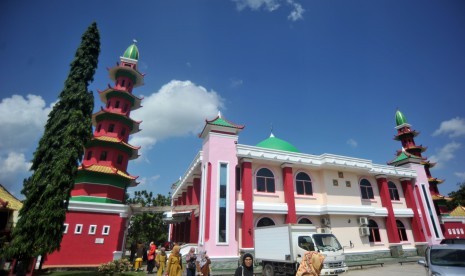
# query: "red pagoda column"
(247, 197)
(391, 226)
(289, 193)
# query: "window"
(393, 192)
(401, 230)
(348, 184)
(265, 181)
(103, 156)
(99, 127)
(335, 182)
(106, 230)
(117, 104)
(123, 132)
(108, 104)
(125, 107)
(265, 222)
(92, 229)
(340, 174)
(303, 184)
(304, 221)
(238, 178)
(366, 189)
(111, 128)
(78, 229)
(89, 155)
(122, 83)
(65, 228)
(120, 159)
(222, 200)
(374, 231)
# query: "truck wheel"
(268, 270)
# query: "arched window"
(393, 192)
(401, 230)
(304, 221)
(265, 222)
(265, 181)
(374, 231)
(303, 184)
(366, 189)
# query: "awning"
(138, 209)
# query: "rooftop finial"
(219, 114)
(134, 40)
(271, 130)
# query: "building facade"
(97, 217)
(373, 209)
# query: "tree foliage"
(39, 230)
(148, 227)
(458, 197)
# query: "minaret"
(103, 174)
(97, 217)
(424, 189)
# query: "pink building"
(373, 209)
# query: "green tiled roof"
(277, 144)
(221, 122)
(400, 118)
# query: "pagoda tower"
(97, 218)
(411, 156)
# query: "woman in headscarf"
(190, 262)
(246, 269)
(174, 262)
(160, 261)
(203, 263)
(311, 264)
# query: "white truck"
(280, 249)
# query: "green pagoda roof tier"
(405, 132)
(111, 92)
(220, 125)
(277, 144)
(404, 157)
(125, 71)
(115, 143)
(106, 115)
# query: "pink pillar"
(193, 236)
(391, 226)
(407, 188)
(424, 217)
(289, 193)
(196, 192)
(247, 197)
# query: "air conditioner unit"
(326, 230)
(363, 221)
(325, 221)
(364, 231)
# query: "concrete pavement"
(410, 269)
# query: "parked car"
(444, 259)
(453, 241)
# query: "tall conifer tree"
(39, 230)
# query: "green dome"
(277, 144)
(400, 118)
(132, 52)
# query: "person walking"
(160, 261)
(190, 262)
(246, 269)
(151, 257)
(139, 256)
(174, 262)
(203, 263)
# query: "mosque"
(230, 189)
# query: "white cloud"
(445, 154)
(460, 175)
(178, 109)
(13, 169)
(272, 5)
(454, 128)
(22, 120)
(351, 142)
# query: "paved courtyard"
(408, 269)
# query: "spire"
(400, 118)
(132, 52)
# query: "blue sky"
(327, 75)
